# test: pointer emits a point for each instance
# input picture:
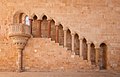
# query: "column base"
(89, 62)
(73, 53)
(65, 46)
(81, 57)
(97, 68)
(19, 71)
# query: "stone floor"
(60, 74)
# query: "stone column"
(65, 37)
(57, 33)
(19, 62)
(39, 31)
(49, 28)
(73, 41)
(31, 25)
(97, 51)
(89, 49)
(81, 47)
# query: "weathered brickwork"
(98, 21)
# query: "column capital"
(97, 46)
(73, 33)
(30, 19)
(89, 42)
(49, 20)
(65, 28)
(57, 23)
(57, 27)
(39, 20)
(81, 38)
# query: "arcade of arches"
(76, 44)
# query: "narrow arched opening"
(77, 44)
(53, 30)
(19, 17)
(44, 27)
(61, 35)
(84, 49)
(35, 17)
(92, 54)
(103, 56)
(69, 40)
(27, 21)
(35, 26)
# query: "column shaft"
(73, 42)
(81, 48)
(19, 63)
(88, 54)
(65, 38)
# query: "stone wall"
(96, 20)
(8, 56)
(42, 54)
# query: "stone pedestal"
(19, 33)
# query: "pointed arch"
(61, 35)
(103, 56)
(44, 27)
(69, 40)
(53, 30)
(35, 17)
(43, 16)
(76, 44)
(35, 26)
(92, 54)
(84, 49)
(19, 17)
(27, 21)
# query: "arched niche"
(35, 17)
(84, 49)
(92, 54)
(76, 44)
(44, 27)
(19, 17)
(52, 30)
(27, 21)
(103, 56)
(35, 26)
(61, 35)
(69, 40)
